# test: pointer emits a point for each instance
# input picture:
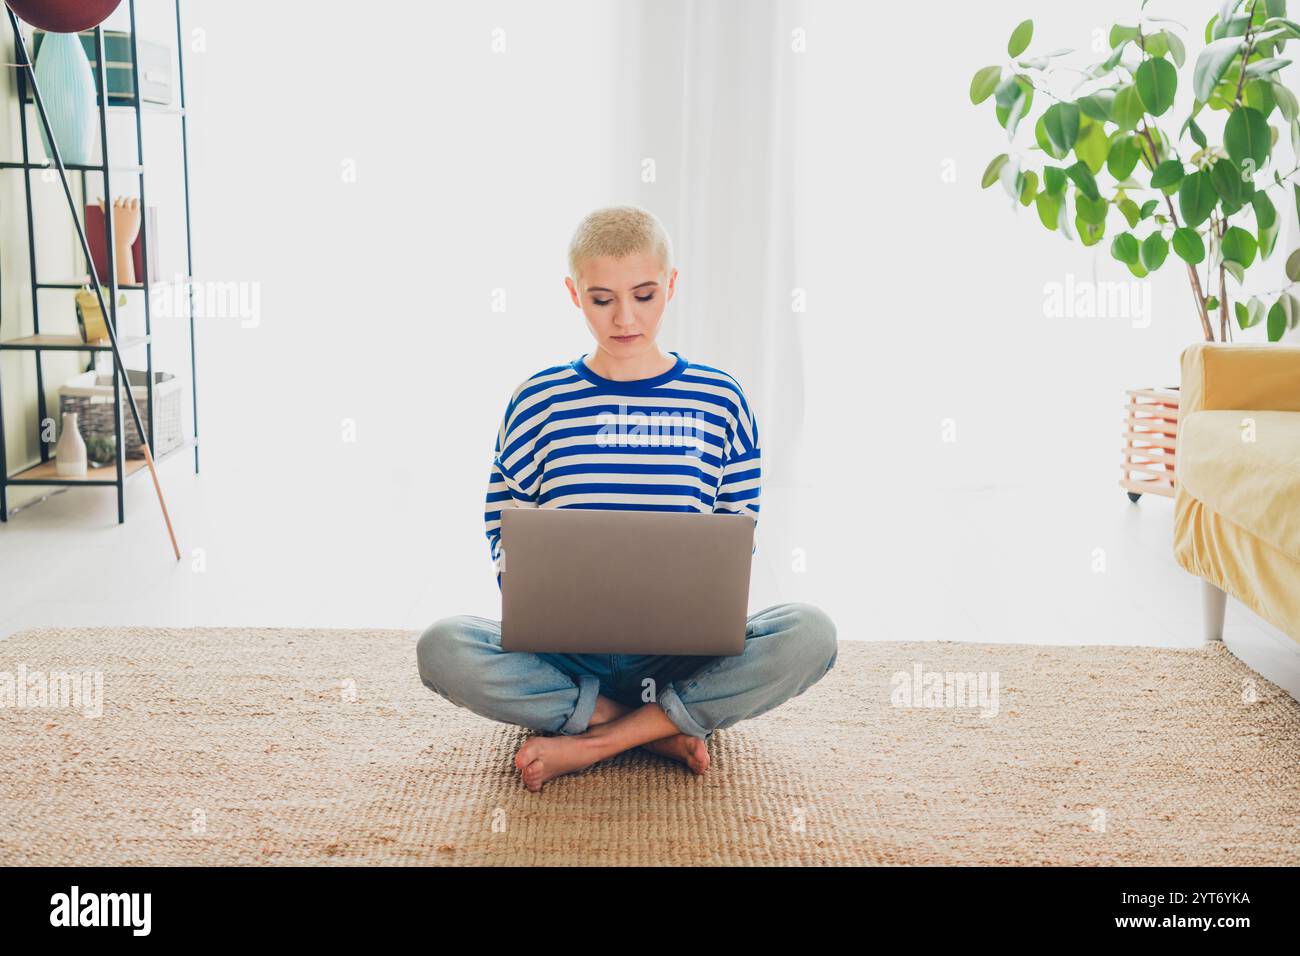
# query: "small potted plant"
(1113, 160)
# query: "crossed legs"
(788, 648)
(620, 728)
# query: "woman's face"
(623, 301)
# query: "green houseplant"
(1114, 154)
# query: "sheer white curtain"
(720, 86)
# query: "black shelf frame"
(21, 345)
(111, 287)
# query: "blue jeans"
(788, 648)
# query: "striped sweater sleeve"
(503, 491)
(741, 484)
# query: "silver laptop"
(578, 581)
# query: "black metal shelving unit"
(42, 472)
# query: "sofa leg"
(1214, 604)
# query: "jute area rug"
(267, 746)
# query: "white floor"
(366, 550)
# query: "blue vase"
(68, 91)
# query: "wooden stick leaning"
(119, 363)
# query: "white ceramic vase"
(70, 453)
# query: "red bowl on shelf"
(63, 16)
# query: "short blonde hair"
(619, 231)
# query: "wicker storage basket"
(90, 395)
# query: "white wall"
(374, 297)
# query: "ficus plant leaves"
(1156, 81)
(1168, 173)
(1211, 64)
(984, 83)
(1246, 137)
(1020, 37)
(1197, 198)
(1189, 246)
(1125, 248)
(1061, 123)
(1238, 246)
(1154, 251)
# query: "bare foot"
(543, 758)
(683, 748)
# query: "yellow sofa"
(1237, 505)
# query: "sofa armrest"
(1258, 377)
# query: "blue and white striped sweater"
(685, 440)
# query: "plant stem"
(1223, 223)
(1209, 272)
(1223, 305)
(1197, 292)
(1274, 185)
(1278, 291)
(1245, 56)
(1223, 285)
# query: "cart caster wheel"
(1134, 496)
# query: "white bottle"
(70, 453)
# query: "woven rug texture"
(277, 746)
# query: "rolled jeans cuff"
(671, 704)
(588, 690)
